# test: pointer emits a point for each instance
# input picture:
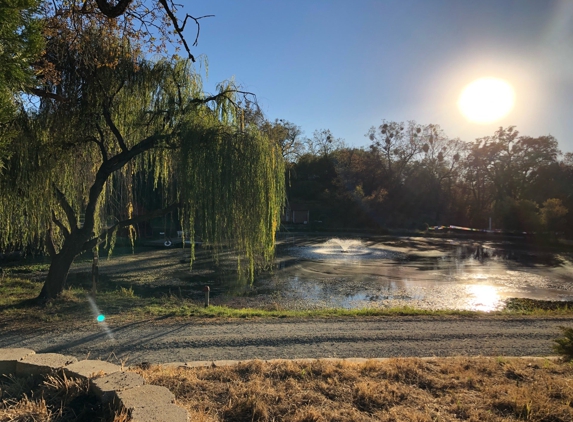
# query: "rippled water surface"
(418, 272)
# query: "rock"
(162, 413)
(145, 396)
(199, 364)
(90, 369)
(225, 363)
(42, 363)
(9, 357)
(106, 387)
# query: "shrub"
(564, 345)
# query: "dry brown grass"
(51, 398)
(471, 389)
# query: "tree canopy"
(21, 43)
(114, 122)
(413, 176)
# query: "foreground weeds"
(451, 389)
(51, 398)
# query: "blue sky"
(346, 65)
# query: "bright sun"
(486, 100)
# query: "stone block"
(106, 387)
(90, 369)
(161, 413)
(42, 363)
(9, 357)
(225, 363)
(174, 365)
(330, 360)
(356, 360)
(199, 364)
(146, 397)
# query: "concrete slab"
(42, 363)
(9, 357)
(225, 363)
(90, 369)
(356, 360)
(199, 364)
(330, 360)
(145, 397)
(163, 413)
(105, 387)
(174, 365)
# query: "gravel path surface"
(163, 341)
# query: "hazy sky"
(346, 65)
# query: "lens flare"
(100, 317)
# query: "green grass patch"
(524, 306)
(195, 310)
(123, 304)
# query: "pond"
(314, 272)
(418, 272)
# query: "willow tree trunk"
(60, 267)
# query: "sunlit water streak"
(428, 275)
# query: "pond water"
(325, 272)
(418, 272)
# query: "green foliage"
(231, 184)
(413, 176)
(564, 345)
(552, 214)
(21, 43)
(129, 128)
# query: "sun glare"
(486, 100)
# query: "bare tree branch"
(60, 225)
(45, 94)
(179, 29)
(101, 143)
(114, 129)
(70, 214)
(50, 242)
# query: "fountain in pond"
(346, 245)
(348, 250)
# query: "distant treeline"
(413, 176)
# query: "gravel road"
(158, 341)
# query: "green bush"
(564, 345)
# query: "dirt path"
(161, 341)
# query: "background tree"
(323, 143)
(287, 135)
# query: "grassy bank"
(472, 389)
(17, 306)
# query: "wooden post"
(206, 289)
(95, 272)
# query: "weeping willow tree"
(112, 118)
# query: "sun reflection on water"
(484, 298)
